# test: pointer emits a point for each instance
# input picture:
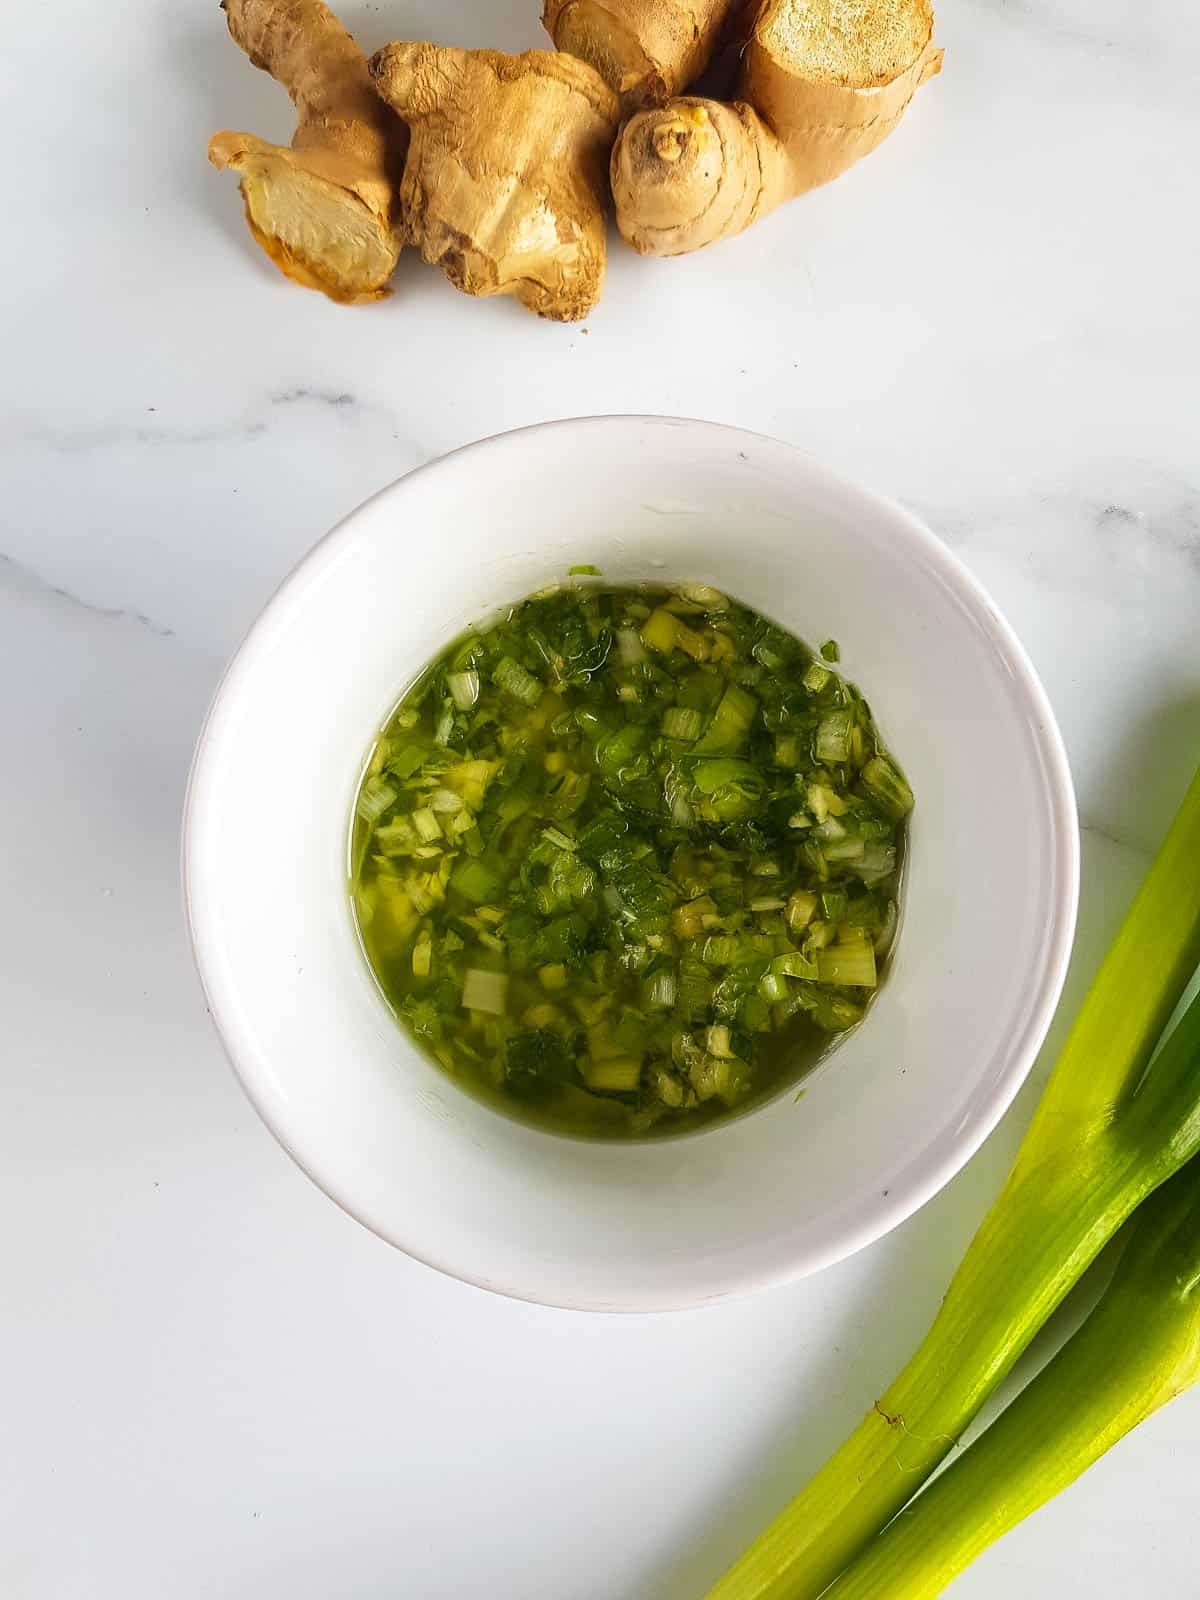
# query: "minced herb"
(626, 859)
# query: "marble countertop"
(217, 1383)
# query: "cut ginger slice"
(325, 210)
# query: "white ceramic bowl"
(790, 1187)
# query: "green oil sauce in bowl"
(627, 860)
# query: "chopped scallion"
(464, 688)
(626, 857)
(485, 991)
(511, 678)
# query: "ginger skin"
(325, 210)
(505, 183)
(646, 50)
(695, 171)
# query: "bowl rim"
(940, 1161)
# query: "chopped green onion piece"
(834, 1013)
(511, 677)
(824, 802)
(660, 991)
(845, 849)
(833, 738)
(583, 570)
(397, 838)
(878, 861)
(801, 909)
(668, 1088)
(721, 949)
(834, 903)
(719, 1041)
(375, 796)
(793, 964)
(816, 678)
(695, 990)
(541, 1016)
(773, 986)
(682, 815)
(615, 1074)
(730, 724)
(426, 824)
(661, 631)
(702, 595)
(464, 688)
(407, 761)
(682, 722)
(886, 784)
(849, 965)
(710, 776)
(476, 881)
(630, 647)
(485, 991)
(830, 651)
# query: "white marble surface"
(216, 1384)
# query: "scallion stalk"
(1138, 1349)
(1106, 1134)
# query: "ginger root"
(822, 83)
(325, 211)
(505, 183)
(646, 50)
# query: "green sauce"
(627, 860)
